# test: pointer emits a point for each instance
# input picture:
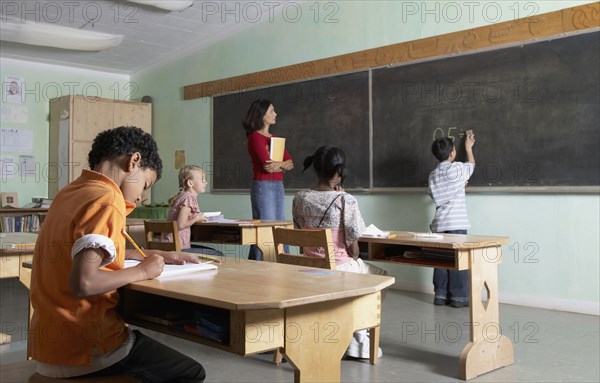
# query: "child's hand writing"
(152, 266)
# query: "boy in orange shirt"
(78, 266)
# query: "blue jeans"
(153, 362)
(267, 199)
(451, 285)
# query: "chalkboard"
(534, 110)
(332, 110)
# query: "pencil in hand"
(133, 242)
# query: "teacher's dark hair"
(327, 161)
(254, 118)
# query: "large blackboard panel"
(332, 110)
(534, 109)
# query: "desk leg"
(487, 350)
(315, 342)
(265, 242)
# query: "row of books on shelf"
(210, 323)
(27, 223)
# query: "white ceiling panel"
(152, 36)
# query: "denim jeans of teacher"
(451, 285)
(267, 204)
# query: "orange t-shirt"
(65, 329)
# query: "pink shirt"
(184, 198)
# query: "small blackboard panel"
(534, 109)
(332, 110)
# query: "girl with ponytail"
(327, 205)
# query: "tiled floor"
(421, 343)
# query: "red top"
(258, 148)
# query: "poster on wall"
(18, 114)
(8, 167)
(16, 140)
(27, 166)
(13, 89)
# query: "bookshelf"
(21, 220)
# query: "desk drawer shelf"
(216, 234)
(231, 331)
(417, 255)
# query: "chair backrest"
(154, 228)
(320, 238)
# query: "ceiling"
(152, 36)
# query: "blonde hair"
(186, 173)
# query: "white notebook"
(374, 231)
(171, 270)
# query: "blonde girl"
(185, 209)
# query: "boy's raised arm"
(469, 142)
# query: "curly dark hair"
(112, 143)
(254, 117)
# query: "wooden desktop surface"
(15, 243)
(244, 232)
(449, 241)
(309, 313)
(247, 223)
(233, 285)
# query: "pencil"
(133, 242)
(392, 236)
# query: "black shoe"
(458, 304)
(439, 301)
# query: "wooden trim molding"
(538, 27)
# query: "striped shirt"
(447, 188)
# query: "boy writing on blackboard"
(447, 188)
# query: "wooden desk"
(234, 233)
(487, 349)
(259, 234)
(16, 248)
(310, 313)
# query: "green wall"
(552, 257)
(43, 83)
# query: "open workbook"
(171, 270)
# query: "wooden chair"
(154, 228)
(313, 238)
(320, 238)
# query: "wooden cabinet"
(74, 123)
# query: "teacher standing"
(267, 192)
